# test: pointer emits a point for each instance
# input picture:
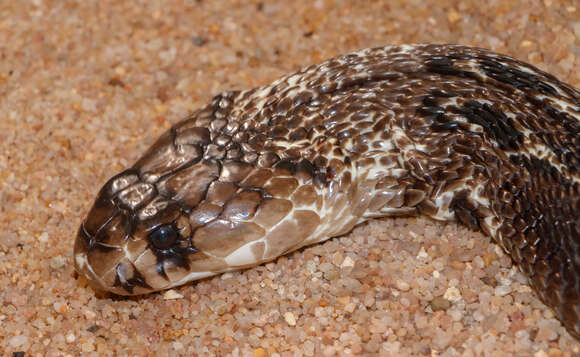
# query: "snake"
(449, 132)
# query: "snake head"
(134, 240)
(204, 199)
(137, 237)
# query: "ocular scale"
(445, 131)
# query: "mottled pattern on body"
(450, 132)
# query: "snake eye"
(163, 237)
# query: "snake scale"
(445, 131)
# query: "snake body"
(445, 131)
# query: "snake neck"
(448, 132)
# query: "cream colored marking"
(243, 256)
(81, 260)
(94, 275)
(196, 275)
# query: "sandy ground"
(86, 86)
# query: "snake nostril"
(85, 241)
(87, 238)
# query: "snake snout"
(84, 243)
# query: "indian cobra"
(445, 131)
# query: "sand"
(86, 86)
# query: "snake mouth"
(128, 279)
(106, 265)
(122, 279)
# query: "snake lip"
(128, 278)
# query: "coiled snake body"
(445, 131)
